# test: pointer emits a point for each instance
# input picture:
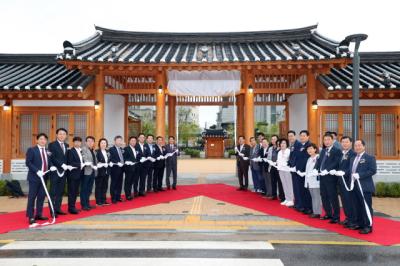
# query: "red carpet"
(386, 231)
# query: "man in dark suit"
(172, 162)
(131, 168)
(117, 172)
(242, 152)
(301, 157)
(144, 153)
(327, 165)
(159, 164)
(38, 162)
(58, 149)
(149, 164)
(347, 197)
(75, 162)
(363, 168)
(295, 147)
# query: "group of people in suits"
(139, 167)
(309, 178)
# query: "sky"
(41, 26)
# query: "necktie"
(324, 159)
(44, 162)
(119, 154)
(62, 147)
(355, 164)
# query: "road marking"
(140, 261)
(316, 242)
(206, 245)
(6, 241)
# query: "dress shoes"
(314, 215)
(334, 221)
(365, 230)
(73, 211)
(174, 188)
(41, 218)
(61, 213)
(326, 217)
(32, 221)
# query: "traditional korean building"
(89, 87)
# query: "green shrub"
(192, 152)
(231, 152)
(387, 190)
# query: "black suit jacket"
(73, 160)
(345, 166)
(366, 168)
(246, 152)
(331, 162)
(58, 157)
(100, 159)
(158, 152)
(130, 156)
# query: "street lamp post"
(357, 39)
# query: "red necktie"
(44, 160)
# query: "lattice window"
(25, 132)
(369, 132)
(388, 131)
(347, 127)
(44, 124)
(62, 120)
(330, 122)
(80, 125)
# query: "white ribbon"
(48, 197)
(367, 210)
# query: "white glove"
(245, 158)
(315, 172)
(70, 167)
(53, 168)
(162, 157)
(111, 164)
(236, 150)
(40, 173)
(340, 173)
(332, 172)
(324, 172)
(87, 163)
(292, 169)
(152, 159)
(64, 167)
(300, 173)
(356, 176)
(142, 160)
(120, 164)
(94, 167)
(100, 165)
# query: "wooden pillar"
(6, 141)
(160, 105)
(312, 120)
(248, 108)
(171, 115)
(240, 114)
(99, 110)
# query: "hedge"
(387, 190)
(192, 152)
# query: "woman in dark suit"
(103, 173)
